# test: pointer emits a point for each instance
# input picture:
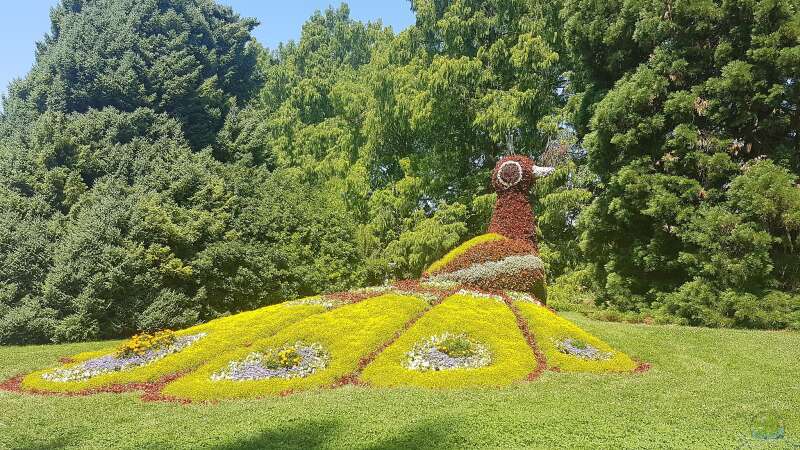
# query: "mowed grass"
(703, 391)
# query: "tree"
(673, 101)
(192, 59)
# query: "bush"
(28, 323)
(773, 310)
(698, 303)
(171, 310)
(688, 116)
(572, 291)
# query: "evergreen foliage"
(159, 168)
(690, 115)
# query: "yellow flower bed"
(223, 335)
(347, 334)
(461, 249)
(141, 343)
(485, 320)
(550, 328)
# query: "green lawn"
(702, 392)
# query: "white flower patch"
(478, 294)
(492, 269)
(426, 296)
(523, 297)
(373, 289)
(427, 355)
(442, 284)
(321, 300)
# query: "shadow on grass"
(48, 444)
(306, 435)
(438, 433)
(287, 435)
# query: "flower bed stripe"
(486, 321)
(552, 328)
(151, 390)
(413, 287)
(491, 270)
(541, 359)
(346, 334)
(490, 251)
(461, 249)
(223, 335)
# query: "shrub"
(28, 323)
(572, 292)
(171, 309)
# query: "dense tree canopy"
(191, 59)
(695, 142)
(158, 167)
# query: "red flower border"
(151, 391)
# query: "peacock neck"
(513, 217)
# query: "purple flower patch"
(293, 361)
(433, 354)
(112, 363)
(581, 349)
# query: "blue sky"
(24, 22)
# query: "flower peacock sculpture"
(475, 318)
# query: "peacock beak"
(539, 171)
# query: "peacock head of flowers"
(512, 178)
(516, 173)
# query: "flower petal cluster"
(321, 300)
(441, 285)
(478, 273)
(115, 362)
(523, 297)
(432, 354)
(141, 343)
(291, 361)
(478, 294)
